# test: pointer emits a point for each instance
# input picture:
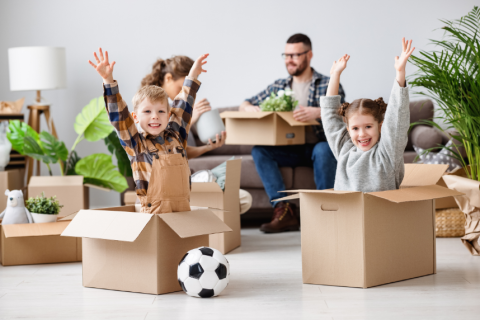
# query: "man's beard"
(300, 69)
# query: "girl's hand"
(103, 67)
(401, 62)
(200, 108)
(197, 66)
(340, 65)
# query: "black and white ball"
(203, 272)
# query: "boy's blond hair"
(153, 93)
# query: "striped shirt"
(136, 143)
(318, 88)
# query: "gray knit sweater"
(380, 168)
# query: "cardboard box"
(357, 239)
(449, 202)
(12, 180)
(209, 194)
(70, 191)
(264, 128)
(35, 243)
(130, 198)
(139, 252)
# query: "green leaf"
(34, 150)
(17, 131)
(72, 160)
(52, 147)
(113, 144)
(93, 121)
(99, 170)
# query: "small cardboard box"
(11, 180)
(357, 239)
(35, 243)
(264, 128)
(70, 191)
(130, 198)
(209, 194)
(139, 252)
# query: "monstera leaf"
(99, 170)
(33, 149)
(52, 147)
(93, 123)
(114, 146)
(72, 160)
(17, 131)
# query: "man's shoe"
(284, 219)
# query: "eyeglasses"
(293, 56)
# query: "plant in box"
(282, 101)
(91, 124)
(451, 77)
(43, 209)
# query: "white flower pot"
(43, 218)
(209, 125)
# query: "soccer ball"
(203, 272)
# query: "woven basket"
(450, 223)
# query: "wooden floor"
(265, 284)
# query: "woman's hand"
(218, 141)
(197, 66)
(200, 108)
(340, 65)
(103, 67)
(401, 62)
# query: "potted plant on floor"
(450, 76)
(43, 209)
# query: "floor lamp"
(37, 68)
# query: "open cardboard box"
(209, 194)
(264, 128)
(139, 252)
(357, 239)
(449, 202)
(35, 243)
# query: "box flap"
(109, 225)
(417, 175)
(288, 117)
(320, 191)
(34, 229)
(97, 187)
(293, 196)
(416, 194)
(43, 181)
(194, 223)
(206, 187)
(69, 217)
(244, 115)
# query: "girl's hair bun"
(343, 109)
(381, 104)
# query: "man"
(307, 85)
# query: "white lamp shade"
(37, 68)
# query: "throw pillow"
(445, 156)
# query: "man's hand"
(340, 65)
(103, 67)
(197, 66)
(200, 108)
(218, 141)
(400, 63)
(305, 114)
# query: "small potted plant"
(43, 209)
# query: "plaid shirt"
(318, 88)
(172, 140)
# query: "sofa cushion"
(419, 110)
(426, 137)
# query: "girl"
(366, 138)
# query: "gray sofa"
(302, 177)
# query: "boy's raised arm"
(182, 106)
(117, 109)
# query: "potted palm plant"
(450, 75)
(43, 209)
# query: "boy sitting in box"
(157, 154)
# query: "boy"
(157, 153)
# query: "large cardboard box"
(139, 252)
(357, 239)
(70, 191)
(264, 128)
(209, 194)
(11, 180)
(36, 243)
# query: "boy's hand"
(401, 62)
(340, 65)
(103, 67)
(197, 66)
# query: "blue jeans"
(269, 159)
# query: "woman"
(170, 74)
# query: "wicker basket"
(450, 223)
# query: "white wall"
(245, 40)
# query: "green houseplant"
(282, 101)
(450, 76)
(92, 124)
(43, 209)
